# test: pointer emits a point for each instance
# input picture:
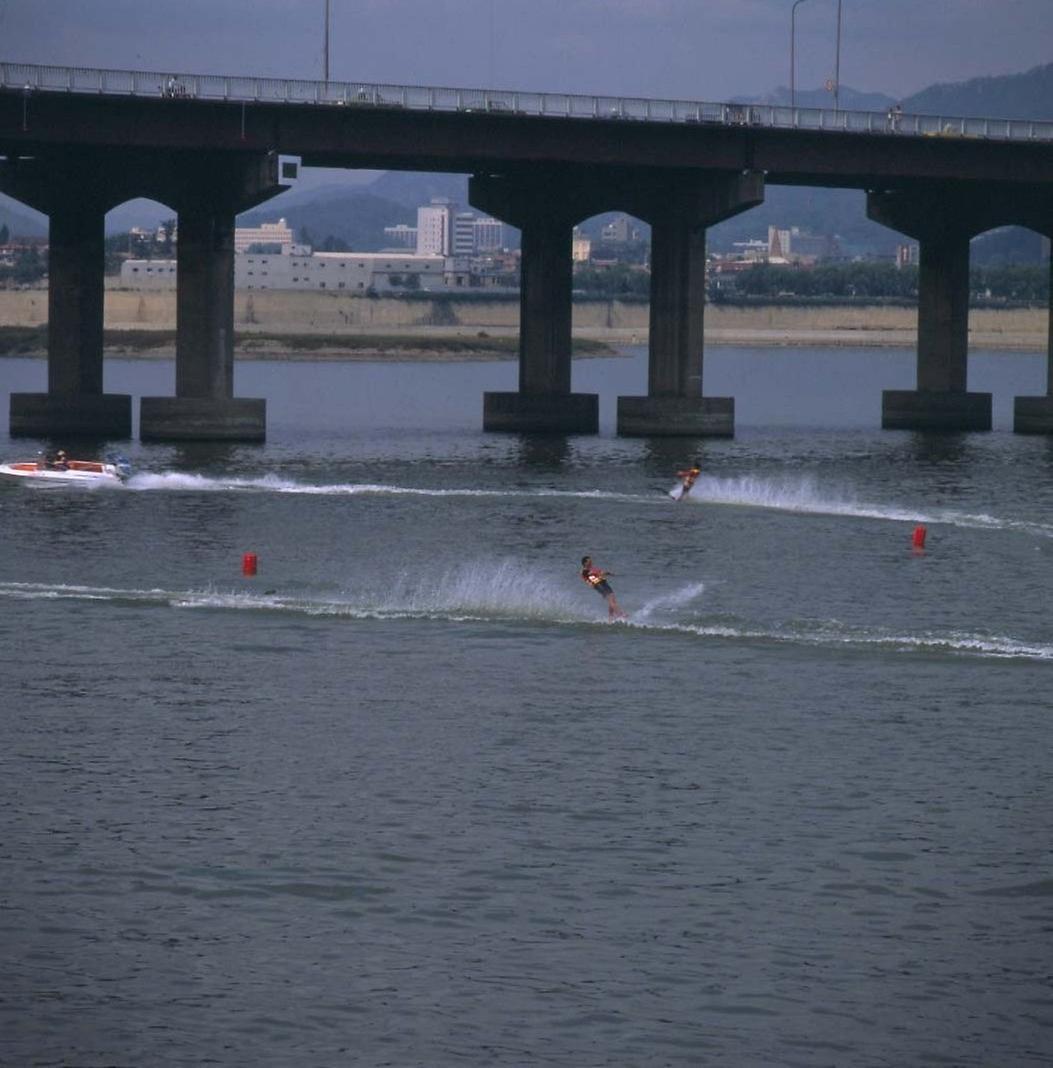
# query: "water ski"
(677, 491)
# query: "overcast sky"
(694, 49)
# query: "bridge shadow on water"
(938, 447)
(203, 456)
(543, 451)
(665, 456)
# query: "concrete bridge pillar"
(544, 402)
(1034, 415)
(74, 404)
(679, 215)
(943, 224)
(204, 407)
(207, 194)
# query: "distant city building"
(435, 228)
(148, 274)
(580, 247)
(266, 234)
(351, 272)
(795, 246)
(620, 231)
(475, 234)
(464, 233)
(907, 255)
(401, 236)
(494, 270)
(489, 234)
(752, 251)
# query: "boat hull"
(75, 473)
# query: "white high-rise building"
(435, 228)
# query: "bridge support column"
(943, 226)
(544, 403)
(674, 405)
(204, 407)
(1034, 415)
(207, 195)
(74, 404)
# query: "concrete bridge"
(75, 143)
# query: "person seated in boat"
(59, 462)
(687, 478)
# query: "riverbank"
(260, 345)
(283, 324)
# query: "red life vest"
(592, 575)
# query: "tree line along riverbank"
(309, 323)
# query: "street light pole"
(326, 48)
(837, 59)
(793, 58)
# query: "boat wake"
(801, 495)
(463, 596)
(274, 484)
(806, 496)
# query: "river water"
(407, 798)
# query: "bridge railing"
(31, 78)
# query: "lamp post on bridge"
(837, 60)
(793, 58)
(325, 48)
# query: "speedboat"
(69, 473)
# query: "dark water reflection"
(544, 451)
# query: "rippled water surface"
(407, 798)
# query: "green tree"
(618, 281)
(29, 267)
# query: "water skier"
(596, 577)
(687, 478)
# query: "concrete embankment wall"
(293, 312)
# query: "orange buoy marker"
(918, 541)
(248, 564)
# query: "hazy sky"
(695, 49)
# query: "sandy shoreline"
(333, 326)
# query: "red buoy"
(248, 564)
(919, 537)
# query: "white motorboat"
(66, 473)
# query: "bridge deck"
(240, 89)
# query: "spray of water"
(806, 496)
(668, 603)
(504, 593)
(798, 494)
